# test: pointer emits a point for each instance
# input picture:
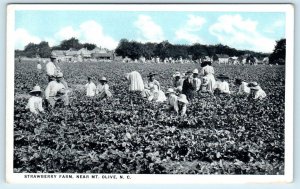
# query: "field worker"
(208, 72)
(39, 67)
(135, 81)
(243, 87)
(177, 82)
(103, 89)
(196, 80)
(256, 91)
(57, 91)
(172, 100)
(187, 86)
(35, 102)
(90, 88)
(204, 84)
(222, 86)
(182, 104)
(153, 90)
(51, 68)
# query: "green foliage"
(72, 43)
(278, 55)
(220, 135)
(35, 50)
(44, 50)
(89, 46)
(134, 50)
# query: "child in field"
(177, 82)
(244, 90)
(153, 91)
(222, 86)
(35, 102)
(182, 104)
(172, 100)
(256, 91)
(196, 80)
(90, 88)
(57, 91)
(103, 89)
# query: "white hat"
(254, 86)
(170, 90)
(59, 75)
(195, 71)
(177, 74)
(36, 89)
(182, 98)
(103, 79)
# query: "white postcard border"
(151, 178)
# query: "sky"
(240, 30)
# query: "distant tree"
(148, 50)
(279, 53)
(163, 50)
(197, 51)
(44, 51)
(31, 50)
(70, 43)
(123, 48)
(19, 53)
(89, 46)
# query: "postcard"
(149, 93)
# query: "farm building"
(205, 58)
(102, 54)
(223, 58)
(73, 55)
(264, 60)
(233, 60)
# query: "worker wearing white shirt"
(172, 100)
(182, 104)
(90, 88)
(57, 91)
(208, 72)
(103, 89)
(51, 68)
(222, 86)
(177, 82)
(256, 90)
(39, 66)
(196, 80)
(35, 102)
(243, 87)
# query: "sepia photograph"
(149, 93)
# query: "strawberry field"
(219, 135)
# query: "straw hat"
(59, 75)
(151, 74)
(222, 76)
(182, 98)
(103, 79)
(36, 89)
(189, 72)
(170, 90)
(254, 86)
(195, 71)
(177, 74)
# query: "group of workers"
(185, 86)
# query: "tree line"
(43, 49)
(134, 50)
